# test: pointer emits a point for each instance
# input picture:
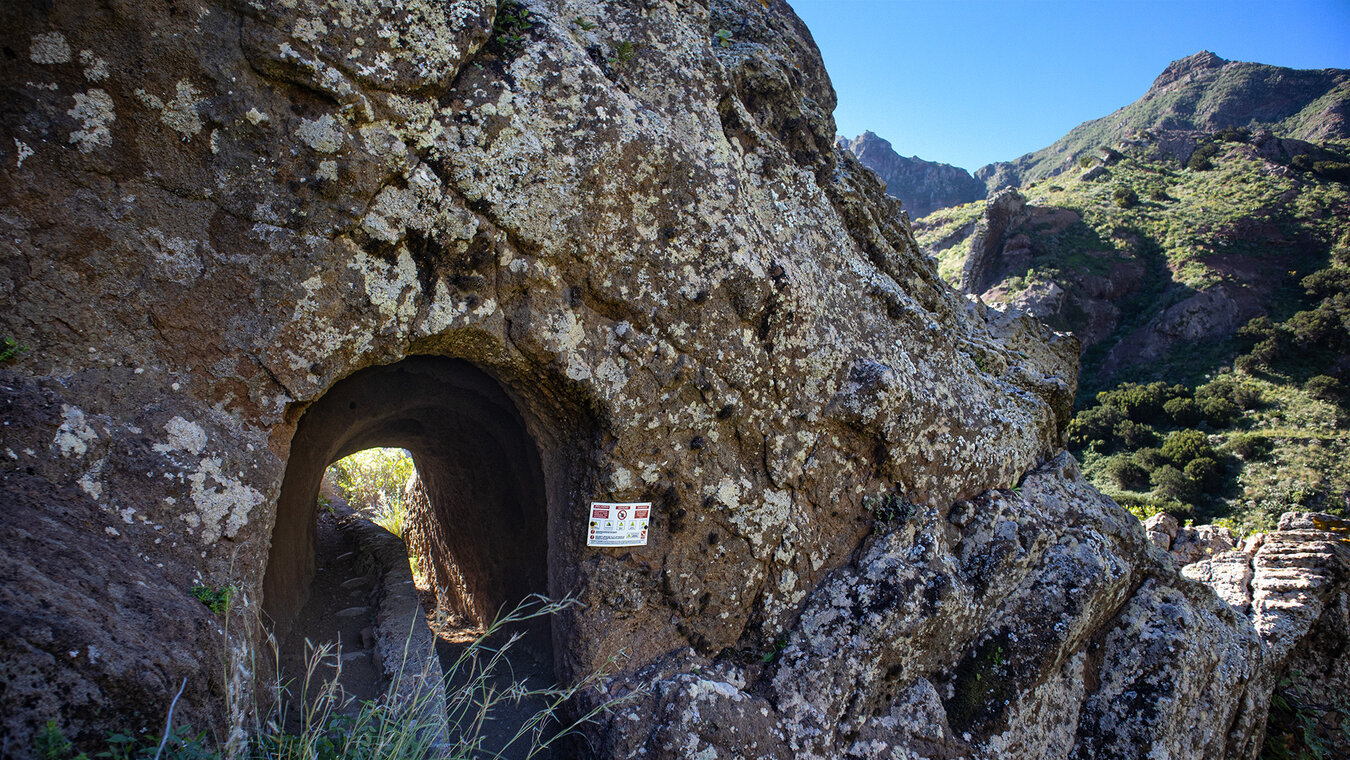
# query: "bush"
(1127, 474)
(1184, 412)
(1249, 446)
(1228, 388)
(1095, 425)
(1125, 197)
(1171, 483)
(1316, 328)
(373, 481)
(1149, 459)
(1135, 435)
(1200, 159)
(1085, 161)
(1326, 388)
(1182, 446)
(1328, 282)
(1335, 171)
(1219, 412)
(1205, 472)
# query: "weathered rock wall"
(215, 212)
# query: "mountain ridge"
(921, 186)
(1206, 93)
(1200, 94)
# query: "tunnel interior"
(481, 532)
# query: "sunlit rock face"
(865, 540)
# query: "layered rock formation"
(604, 259)
(921, 186)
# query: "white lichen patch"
(180, 114)
(227, 501)
(74, 435)
(392, 289)
(323, 134)
(49, 48)
(149, 100)
(90, 482)
(309, 30)
(317, 336)
(94, 110)
(256, 117)
(95, 68)
(183, 436)
(328, 170)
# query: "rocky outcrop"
(1213, 313)
(602, 258)
(1188, 545)
(1292, 585)
(990, 240)
(922, 187)
(1010, 239)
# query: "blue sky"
(968, 82)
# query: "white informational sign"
(618, 524)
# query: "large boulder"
(602, 258)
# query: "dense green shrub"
(1336, 171)
(1182, 446)
(1233, 134)
(1325, 283)
(1171, 483)
(1219, 412)
(1183, 411)
(1149, 459)
(1200, 160)
(1205, 472)
(1248, 445)
(1126, 473)
(1326, 388)
(1135, 435)
(1125, 197)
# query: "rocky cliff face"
(245, 239)
(921, 186)
(1204, 93)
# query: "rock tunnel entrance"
(481, 528)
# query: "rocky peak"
(1183, 67)
(922, 186)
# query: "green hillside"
(1245, 244)
(1205, 93)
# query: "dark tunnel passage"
(483, 532)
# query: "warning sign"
(618, 524)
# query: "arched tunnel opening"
(478, 529)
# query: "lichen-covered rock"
(1293, 586)
(611, 235)
(1035, 623)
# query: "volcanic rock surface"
(632, 266)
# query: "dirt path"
(340, 612)
(529, 663)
